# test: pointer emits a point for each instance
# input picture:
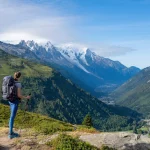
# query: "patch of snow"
(82, 57)
(77, 48)
(32, 45)
(72, 52)
(148, 81)
(71, 57)
(48, 45)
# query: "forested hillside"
(135, 93)
(57, 97)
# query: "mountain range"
(55, 96)
(95, 74)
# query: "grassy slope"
(39, 123)
(135, 93)
(54, 96)
(43, 125)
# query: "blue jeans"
(13, 110)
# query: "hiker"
(13, 100)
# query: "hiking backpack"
(9, 89)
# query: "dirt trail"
(5, 143)
(26, 141)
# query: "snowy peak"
(73, 48)
(23, 43)
(76, 62)
(30, 44)
(48, 46)
(74, 53)
(33, 46)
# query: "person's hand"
(28, 97)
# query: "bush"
(66, 142)
(106, 148)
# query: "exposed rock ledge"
(118, 140)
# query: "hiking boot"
(13, 135)
(16, 134)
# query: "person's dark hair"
(17, 75)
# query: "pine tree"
(135, 129)
(87, 121)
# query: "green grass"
(11, 63)
(39, 123)
(44, 125)
(87, 129)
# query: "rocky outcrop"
(118, 140)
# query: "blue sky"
(117, 29)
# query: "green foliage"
(135, 130)
(143, 130)
(140, 131)
(87, 129)
(87, 121)
(66, 142)
(135, 93)
(39, 123)
(56, 97)
(106, 148)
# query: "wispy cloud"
(30, 20)
(111, 50)
(113, 27)
(44, 21)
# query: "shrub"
(66, 142)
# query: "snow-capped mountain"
(78, 63)
(74, 55)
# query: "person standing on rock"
(11, 89)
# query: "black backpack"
(9, 89)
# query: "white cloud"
(101, 48)
(31, 21)
(111, 50)
(15, 37)
(36, 20)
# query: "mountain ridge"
(57, 97)
(80, 65)
(135, 92)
